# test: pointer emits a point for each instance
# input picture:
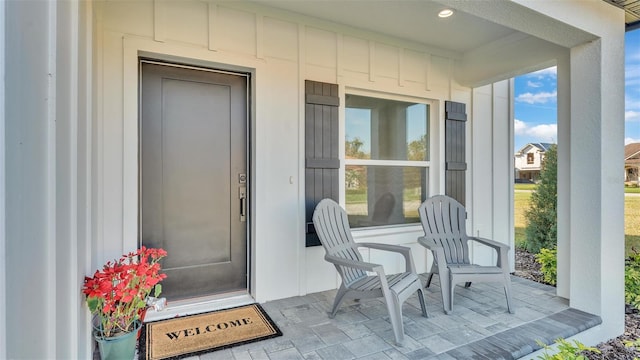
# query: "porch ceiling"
(631, 12)
(491, 41)
(416, 21)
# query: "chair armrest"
(501, 249)
(437, 250)
(403, 250)
(422, 240)
(491, 243)
(361, 265)
(386, 247)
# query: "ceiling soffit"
(631, 12)
(482, 42)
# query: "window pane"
(382, 129)
(384, 195)
(417, 141)
(358, 134)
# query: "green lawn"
(631, 219)
(521, 203)
(524, 186)
(627, 189)
(632, 223)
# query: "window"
(386, 160)
(530, 158)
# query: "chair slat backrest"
(332, 227)
(443, 220)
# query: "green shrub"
(548, 260)
(632, 279)
(542, 219)
(567, 351)
(632, 343)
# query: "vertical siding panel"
(259, 36)
(212, 18)
(158, 21)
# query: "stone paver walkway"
(479, 328)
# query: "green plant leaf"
(93, 304)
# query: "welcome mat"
(201, 333)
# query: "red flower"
(117, 294)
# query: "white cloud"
(631, 115)
(630, 102)
(533, 84)
(538, 133)
(631, 140)
(632, 74)
(552, 72)
(519, 127)
(545, 132)
(538, 98)
(633, 53)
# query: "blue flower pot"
(121, 347)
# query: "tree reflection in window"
(386, 157)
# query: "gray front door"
(193, 178)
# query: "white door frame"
(133, 49)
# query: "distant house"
(631, 162)
(528, 161)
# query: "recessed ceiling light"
(445, 13)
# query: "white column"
(564, 175)
(3, 256)
(596, 219)
(502, 127)
(30, 131)
(492, 169)
(481, 177)
(46, 252)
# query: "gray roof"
(541, 146)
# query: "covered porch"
(70, 166)
(479, 328)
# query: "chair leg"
(395, 316)
(429, 278)
(507, 292)
(445, 284)
(423, 305)
(434, 270)
(452, 290)
(338, 300)
(467, 284)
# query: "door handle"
(242, 194)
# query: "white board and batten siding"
(281, 51)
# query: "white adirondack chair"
(443, 220)
(332, 227)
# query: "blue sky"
(632, 87)
(535, 96)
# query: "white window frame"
(432, 132)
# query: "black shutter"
(321, 149)
(456, 165)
